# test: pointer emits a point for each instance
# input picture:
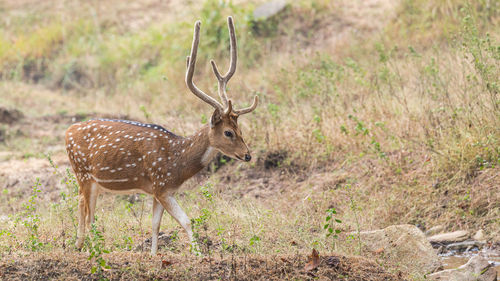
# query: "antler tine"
(191, 61)
(248, 109)
(232, 66)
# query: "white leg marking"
(173, 208)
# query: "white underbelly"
(101, 189)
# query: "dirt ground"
(137, 266)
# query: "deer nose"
(248, 157)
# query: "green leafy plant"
(354, 208)
(95, 245)
(31, 219)
(197, 224)
(360, 126)
(200, 223)
(254, 240)
(331, 223)
(144, 111)
(483, 53)
(68, 202)
(204, 119)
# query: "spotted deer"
(121, 156)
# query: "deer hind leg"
(92, 199)
(83, 211)
(173, 208)
(157, 214)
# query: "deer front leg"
(157, 214)
(173, 208)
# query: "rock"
(440, 250)
(434, 230)
(269, 9)
(479, 236)
(477, 268)
(448, 238)
(405, 243)
(465, 245)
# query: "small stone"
(434, 230)
(269, 9)
(477, 268)
(465, 245)
(479, 236)
(448, 238)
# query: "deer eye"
(228, 134)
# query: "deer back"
(122, 155)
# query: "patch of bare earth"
(140, 266)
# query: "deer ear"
(216, 118)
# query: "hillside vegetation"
(387, 113)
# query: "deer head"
(224, 134)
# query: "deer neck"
(193, 153)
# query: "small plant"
(138, 213)
(30, 219)
(197, 224)
(200, 222)
(68, 202)
(96, 248)
(360, 127)
(205, 190)
(331, 224)
(318, 135)
(10, 236)
(127, 243)
(273, 110)
(354, 208)
(254, 240)
(144, 111)
(204, 119)
(206, 214)
(483, 52)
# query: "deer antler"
(232, 66)
(226, 106)
(191, 61)
(248, 109)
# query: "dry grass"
(391, 123)
(61, 266)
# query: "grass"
(389, 127)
